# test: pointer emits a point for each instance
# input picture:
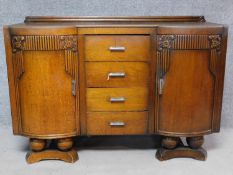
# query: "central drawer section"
(117, 82)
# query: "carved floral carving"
(18, 43)
(68, 43)
(165, 42)
(215, 42)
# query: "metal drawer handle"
(73, 87)
(116, 74)
(117, 124)
(161, 85)
(117, 99)
(117, 48)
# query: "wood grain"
(16, 120)
(44, 80)
(136, 74)
(136, 48)
(59, 86)
(187, 101)
(136, 99)
(114, 18)
(98, 123)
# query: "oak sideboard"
(84, 76)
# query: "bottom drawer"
(116, 123)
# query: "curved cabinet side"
(8, 50)
(44, 72)
(189, 76)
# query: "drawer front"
(117, 99)
(116, 123)
(123, 74)
(117, 48)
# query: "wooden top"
(123, 21)
(68, 25)
(29, 19)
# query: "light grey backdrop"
(219, 11)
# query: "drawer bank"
(79, 76)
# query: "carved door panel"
(45, 70)
(187, 76)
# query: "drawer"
(117, 48)
(117, 74)
(117, 99)
(116, 123)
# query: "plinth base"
(70, 156)
(181, 152)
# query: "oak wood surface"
(43, 81)
(220, 81)
(44, 30)
(98, 123)
(136, 48)
(16, 121)
(186, 104)
(173, 79)
(173, 147)
(115, 30)
(140, 49)
(98, 74)
(69, 156)
(98, 99)
(82, 86)
(114, 18)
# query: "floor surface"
(105, 156)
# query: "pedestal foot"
(181, 152)
(173, 147)
(39, 152)
(66, 156)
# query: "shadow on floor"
(108, 142)
(118, 142)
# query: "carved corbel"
(18, 43)
(215, 46)
(215, 42)
(68, 43)
(165, 42)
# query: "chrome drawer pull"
(117, 124)
(117, 99)
(117, 48)
(161, 84)
(116, 74)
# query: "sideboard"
(84, 76)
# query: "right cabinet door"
(189, 84)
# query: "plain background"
(125, 161)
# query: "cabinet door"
(45, 75)
(189, 80)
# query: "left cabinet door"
(43, 71)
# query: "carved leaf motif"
(165, 42)
(215, 42)
(18, 43)
(69, 43)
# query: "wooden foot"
(66, 156)
(181, 152)
(173, 147)
(39, 152)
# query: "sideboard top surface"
(37, 25)
(94, 21)
(115, 18)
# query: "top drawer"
(117, 47)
